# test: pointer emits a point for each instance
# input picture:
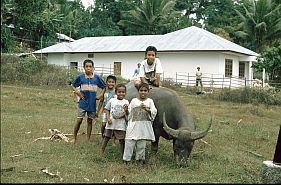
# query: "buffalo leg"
(154, 149)
(175, 151)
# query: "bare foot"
(153, 157)
(73, 141)
(101, 153)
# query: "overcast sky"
(87, 3)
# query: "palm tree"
(261, 23)
(149, 17)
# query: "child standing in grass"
(108, 94)
(142, 112)
(88, 82)
(116, 122)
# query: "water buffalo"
(173, 121)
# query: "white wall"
(211, 63)
(56, 58)
(188, 62)
(129, 61)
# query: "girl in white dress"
(141, 113)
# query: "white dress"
(140, 121)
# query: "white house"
(180, 52)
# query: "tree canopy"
(254, 24)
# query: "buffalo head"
(183, 140)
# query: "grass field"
(242, 137)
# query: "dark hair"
(151, 48)
(111, 77)
(143, 85)
(120, 85)
(88, 61)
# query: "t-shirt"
(107, 96)
(198, 75)
(136, 72)
(115, 107)
(88, 87)
(149, 71)
(140, 121)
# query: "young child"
(150, 68)
(142, 112)
(88, 82)
(137, 71)
(116, 122)
(108, 94)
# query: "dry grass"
(241, 138)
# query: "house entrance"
(117, 68)
(73, 65)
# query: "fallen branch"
(57, 135)
(17, 155)
(225, 122)
(83, 133)
(254, 153)
(45, 170)
(205, 142)
(41, 138)
(238, 122)
(8, 169)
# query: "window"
(91, 55)
(117, 68)
(73, 65)
(241, 69)
(228, 67)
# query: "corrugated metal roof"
(188, 39)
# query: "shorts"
(118, 134)
(81, 114)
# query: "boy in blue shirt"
(89, 83)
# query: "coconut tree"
(149, 17)
(260, 23)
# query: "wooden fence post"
(222, 81)
(230, 82)
(187, 78)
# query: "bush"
(33, 71)
(250, 95)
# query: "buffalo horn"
(185, 134)
(170, 131)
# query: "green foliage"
(33, 71)
(250, 95)
(37, 22)
(7, 40)
(151, 17)
(270, 60)
(260, 23)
